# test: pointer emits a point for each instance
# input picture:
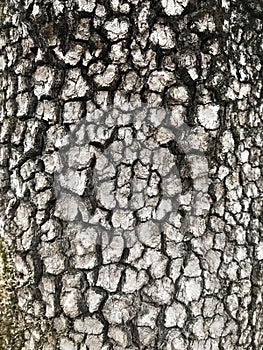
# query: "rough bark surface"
(198, 288)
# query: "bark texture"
(81, 287)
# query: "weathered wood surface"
(110, 249)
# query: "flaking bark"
(194, 288)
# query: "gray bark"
(136, 229)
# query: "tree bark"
(131, 175)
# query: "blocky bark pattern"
(200, 290)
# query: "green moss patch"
(10, 327)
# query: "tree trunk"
(131, 178)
